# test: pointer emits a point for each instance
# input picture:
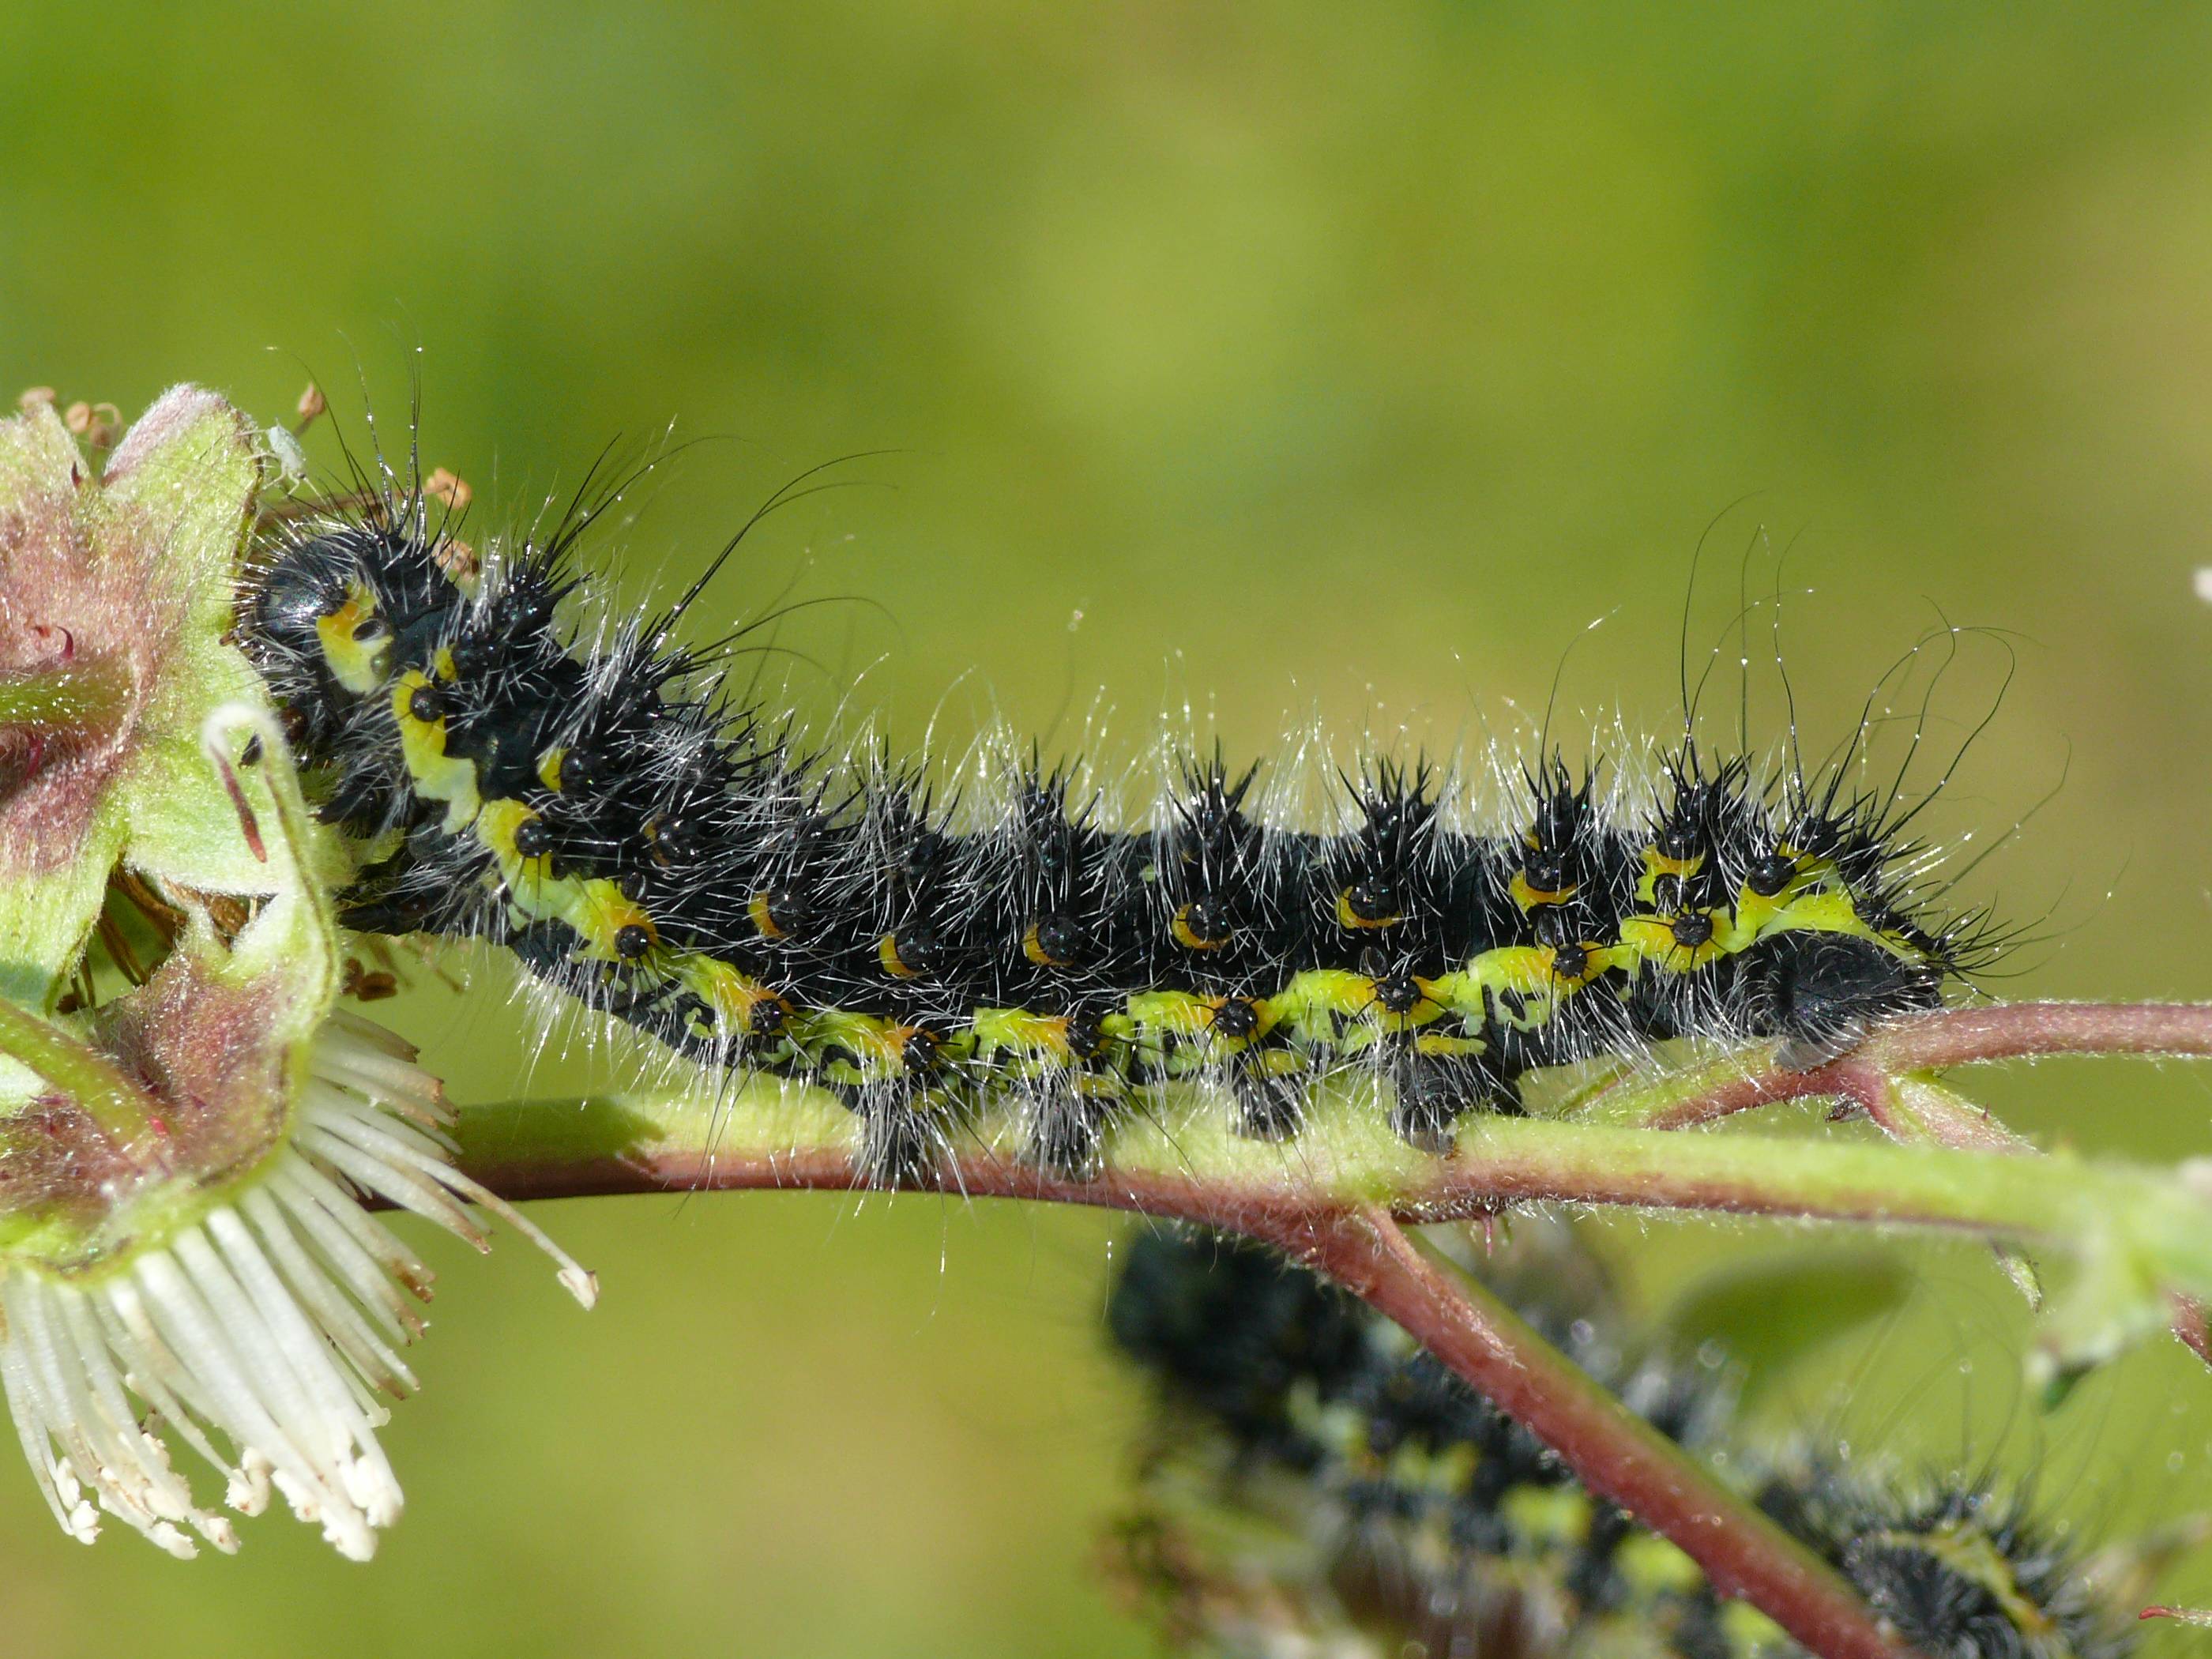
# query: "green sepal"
(218, 1045)
(128, 568)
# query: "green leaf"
(1772, 1313)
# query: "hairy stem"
(90, 691)
(93, 1083)
(2014, 1030)
(682, 1143)
(1336, 1197)
(1613, 1451)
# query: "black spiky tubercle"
(582, 796)
(1403, 1504)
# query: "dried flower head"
(187, 1165)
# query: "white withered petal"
(219, 1280)
(270, 1326)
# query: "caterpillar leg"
(1270, 1106)
(1064, 1119)
(1435, 1091)
(904, 1132)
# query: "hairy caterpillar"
(586, 799)
(1405, 1506)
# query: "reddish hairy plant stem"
(1961, 1037)
(2015, 1030)
(1468, 1184)
(2020, 1030)
(1480, 1178)
(1916, 1112)
(2190, 1326)
(1613, 1452)
(1842, 1079)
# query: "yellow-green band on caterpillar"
(1305, 1452)
(649, 851)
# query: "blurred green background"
(1285, 360)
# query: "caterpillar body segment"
(1311, 1464)
(666, 858)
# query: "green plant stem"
(2014, 1030)
(88, 692)
(681, 1143)
(1338, 1194)
(1614, 1453)
(124, 1113)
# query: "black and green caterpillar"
(1318, 1475)
(667, 857)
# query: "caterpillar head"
(1961, 1572)
(1821, 992)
